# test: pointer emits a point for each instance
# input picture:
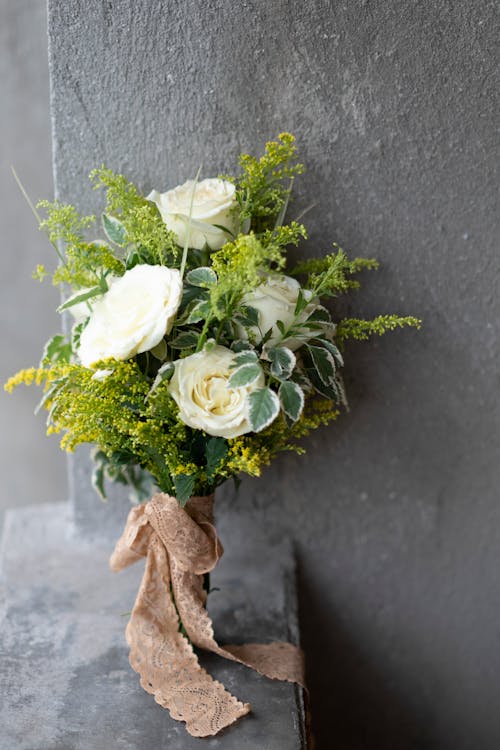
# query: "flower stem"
(35, 212)
(188, 231)
(203, 335)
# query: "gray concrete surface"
(65, 680)
(32, 468)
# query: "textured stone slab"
(65, 680)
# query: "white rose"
(133, 316)
(214, 202)
(274, 300)
(200, 388)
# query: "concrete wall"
(395, 509)
(32, 469)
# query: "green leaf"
(224, 229)
(337, 356)
(76, 333)
(115, 231)
(301, 303)
(200, 311)
(203, 276)
(320, 320)
(281, 327)
(240, 345)
(299, 376)
(133, 258)
(121, 467)
(282, 212)
(75, 299)
(184, 340)
(323, 362)
(57, 349)
(215, 452)
(245, 375)
(264, 408)
(248, 316)
(266, 337)
(282, 361)
(164, 373)
(49, 395)
(160, 350)
(291, 399)
(341, 391)
(189, 294)
(306, 328)
(329, 391)
(98, 478)
(247, 357)
(319, 315)
(184, 486)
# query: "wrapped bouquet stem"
(197, 353)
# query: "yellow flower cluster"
(118, 415)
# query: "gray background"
(32, 469)
(394, 509)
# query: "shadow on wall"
(351, 702)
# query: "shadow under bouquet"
(195, 355)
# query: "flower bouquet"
(195, 355)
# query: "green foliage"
(203, 277)
(63, 223)
(215, 453)
(185, 340)
(164, 373)
(114, 229)
(331, 275)
(121, 467)
(83, 262)
(283, 236)
(264, 186)
(87, 264)
(57, 349)
(239, 266)
(184, 487)
(361, 330)
(282, 361)
(291, 398)
(137, 221)
(85, 295)
(245, 375)
(248, 357)
(118, 414)
(264, 408)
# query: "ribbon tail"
(278, 660)
(165, 660)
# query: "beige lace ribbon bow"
(180, 545)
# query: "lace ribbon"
(180, 546)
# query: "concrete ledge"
(65, 680)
